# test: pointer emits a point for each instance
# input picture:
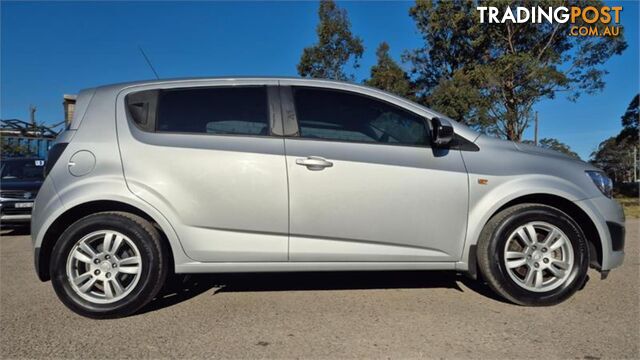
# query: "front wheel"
(108, 265)
(533, 254)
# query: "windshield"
(31, 169)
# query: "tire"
(104, 279)
(515, 274)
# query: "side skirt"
(237, 267)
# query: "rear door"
(365, 184)
(209, 157)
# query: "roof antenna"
(148, 62)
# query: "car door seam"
(286, 167)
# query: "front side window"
(221, 111)
(342, 116)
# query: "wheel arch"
(583, 220)
(563, 204)
(75, 213)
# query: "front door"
(365, 185)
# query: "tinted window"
(22, 169)
(337, 115)
(142, 108)
(240, 111)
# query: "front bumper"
(10, 219)
(608, 217)
(12, 213)
(617, 233)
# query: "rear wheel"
(108, 265)
(533, 255)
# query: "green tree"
(630, 122)
(387, 75)
(335, 47)
(555, 144)
(615, 157)
(616, 154)
(493, 74)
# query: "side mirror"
(441, 132)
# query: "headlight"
(602, 182)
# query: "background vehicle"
(277, 174)
(20, 181)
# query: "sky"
(48, 49)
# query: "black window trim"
(292, 121)
(272, 101)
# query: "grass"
(631, 206)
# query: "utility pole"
(535, 130)
(32, 115)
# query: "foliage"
(630, 121)
(490, 75)
(336, 46)
(387, 75)
(615, 158)
(616, 154)
(10, 149)
(555, 144)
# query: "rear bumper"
(36, 261)
(47, 208)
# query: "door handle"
(314, 163)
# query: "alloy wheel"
(104, 267)
(538, 256)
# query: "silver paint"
(240, 203)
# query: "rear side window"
(342, 116)
(236, 111)
(142, 108)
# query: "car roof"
(229, 78)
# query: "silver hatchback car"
(281, 174)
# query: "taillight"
(54, 155)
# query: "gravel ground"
(324, 315)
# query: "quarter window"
(237, 111)
(337, 115)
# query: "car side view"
(282, 174)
